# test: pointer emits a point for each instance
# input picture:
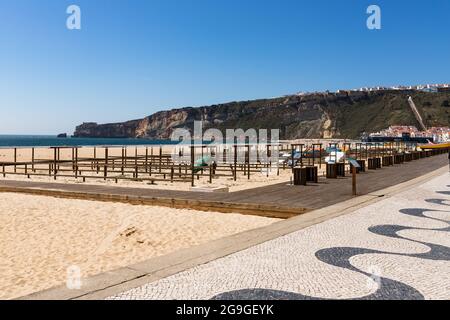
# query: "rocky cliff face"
(344, 115)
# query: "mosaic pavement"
(397, 248)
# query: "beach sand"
(41, 237)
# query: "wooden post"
(235, 163)
(73, 159)
(248, 162)
(313, 154)
(54, 162)
(123, 159)
(160, 158)
(76, 159)
(59, 156)
(15, 160)
(75, 162)
(32, 159)
(192, 166)
(257, 156)
(320, 156)
(301, 155)
(105, 172)
(292, 157)
(202, 158)
(136, 160)
(146, 159)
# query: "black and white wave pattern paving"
(398, 248)
(340, 257)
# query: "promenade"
(395, 248)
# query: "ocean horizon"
(53, 141)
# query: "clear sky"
(135, 57)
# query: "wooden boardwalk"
(280, 200)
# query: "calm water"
(46, 141)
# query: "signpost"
(355, 165)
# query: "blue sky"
(133, 58)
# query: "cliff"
(321, 115)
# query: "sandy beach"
(41, 237)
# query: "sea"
(54, 141)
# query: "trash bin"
(387, 161)
(399, 159)
(378, 163)
(362, 164)
(312, 174)
(371, 164)
(340, 169)
(300, 176)
(331, 171)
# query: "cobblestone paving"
(398, 248)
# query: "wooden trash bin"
(378, 163)
(331, 171)
(300, 176)
(399, 159)
(340, 169)
(312, 174)
(387, 161)
(362, 164)
(371, 164)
